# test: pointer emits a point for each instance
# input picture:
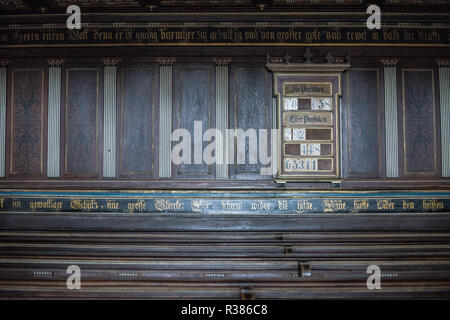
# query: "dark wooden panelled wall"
(88, 179)
(250, 106)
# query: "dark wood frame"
(423, 64)
(13, 66)
(233, 68)
(72, 64)
(131, 64)
(176, 100)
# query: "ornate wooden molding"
(166, 61)
(443, 62)
(308, 61)
(222, 61)
(4, 63)
(56, 62)
(308, 57)
(389, 62)
(150, 4)
(112, 62)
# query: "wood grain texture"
(81, 123)
(137, 122)
(364, 123)
(250, 109)
(194, 100)
(419, 122)
(215, 265)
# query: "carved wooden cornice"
(222, 61)
(389, 61)
(111, 62)
(56, 62)
(166, 61)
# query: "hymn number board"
(308, 115)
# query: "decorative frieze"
(245, 203)
(291, 32)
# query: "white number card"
(298, 134)
(321, 104)
(287, 134)
(299, 165)
(290, 104)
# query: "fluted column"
(165, 115)
(444, 89)
(3, 76)
(275, 138)
(54, 117)
(109, 118)
(390, 114)
(222, 115)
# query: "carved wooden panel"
(194, 102)
(419, 122)
(363, 123)
(27, 122)
(82, 122)
(137, 122)
(250, 109)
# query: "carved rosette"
(275, 59)
(111, 62)
(389, 62)
(4, 63)
(166, 61)
(56, 62)
(340, 59)
(443, 62)
(222, 61)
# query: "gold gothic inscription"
(308, 119)
(307, 89)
